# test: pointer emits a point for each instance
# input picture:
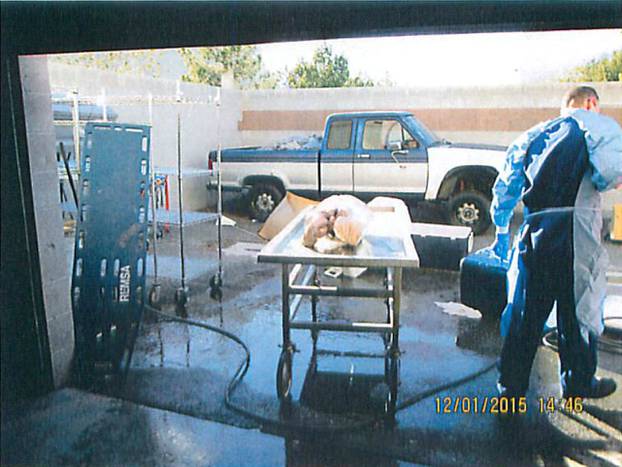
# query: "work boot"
(598, 388)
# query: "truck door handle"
(362, 156)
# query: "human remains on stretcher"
(336, 225)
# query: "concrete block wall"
(55, 280)
(203, 123)
(493, 115)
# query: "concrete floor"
(171, 408)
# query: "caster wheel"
(392, 370)
(392, 375)
(154, 296)
(387, 338)
(215, 281)
(181, 296)
(215, 293)
(284, 375)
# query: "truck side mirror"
(395, 146)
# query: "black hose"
(63, 155)
(605, 343)
(244, 365)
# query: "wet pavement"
(172, 410)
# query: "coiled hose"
(245, 363)
(607, 345)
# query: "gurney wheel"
(154, 296)
(181, 296)
(393, 371)
(284, 375)
(390, 404)
(215, 281)
(215, 293)
(387, 338)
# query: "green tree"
(604, 69)
(208, 64)
(326, 70)
(144, 62)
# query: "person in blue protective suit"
(557, 170)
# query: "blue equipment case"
(483, 283)
(108, 282)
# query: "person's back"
(558, 152)
(557, 169)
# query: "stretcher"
(386, 245)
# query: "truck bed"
(249, 154)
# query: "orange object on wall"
(616, 223)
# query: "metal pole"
(397, 303)
(285, 306)
(181, 206)
(219, 184)
(75, 114)
(219, 218)
(154, 219)
(315, 298)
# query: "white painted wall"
(202, 122)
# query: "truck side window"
(339, 134)
(378, 134)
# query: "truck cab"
(375, 153)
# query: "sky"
(458, 59)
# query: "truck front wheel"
(471, 209)
(263, 199)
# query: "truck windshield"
(429, 137)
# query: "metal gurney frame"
(299, 277)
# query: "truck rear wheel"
(470, 209)
(263, 199)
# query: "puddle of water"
(323, 385)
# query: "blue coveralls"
(556, 169)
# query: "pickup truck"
(368, 154)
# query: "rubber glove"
(501, 246)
